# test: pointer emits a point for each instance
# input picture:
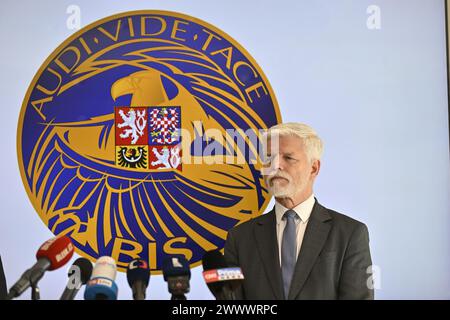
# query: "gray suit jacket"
(332, 263)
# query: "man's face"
(289, 171)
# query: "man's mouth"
(274, 179)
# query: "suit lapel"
(267, 244)
(316, 234)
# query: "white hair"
(313, 144)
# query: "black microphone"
(177, 274)
(79, 274)
(223, 281)
(138, 276)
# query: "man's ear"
(315, 168)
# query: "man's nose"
(276, 163)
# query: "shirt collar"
(303, 210)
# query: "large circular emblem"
(136, 138)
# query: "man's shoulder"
(343, 221)
(339, 220)
(247, 225)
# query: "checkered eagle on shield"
(164, 125)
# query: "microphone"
(138, 276)
(222, 281)
(52, 254)
(177, 273)
(79, 273)
(102, 285)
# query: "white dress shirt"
(303, 210)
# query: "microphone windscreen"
(213, 259)
(102, 286)
(58, 251)
(85, 267)
(174, 266)
(105, 267)
(138, 271)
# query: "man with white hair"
(300, 249)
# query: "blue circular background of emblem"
(69, 137)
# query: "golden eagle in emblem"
(96, 194)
